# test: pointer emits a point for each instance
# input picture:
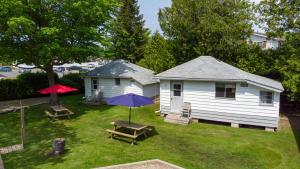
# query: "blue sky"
(150, 8)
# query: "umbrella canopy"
(57, 89)
(129, 100)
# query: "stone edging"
(139, 163)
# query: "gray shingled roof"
(207, 68)
(124, 69)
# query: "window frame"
(117, 81)
(224, 94)
(93, 84)
(176, 89)
(264, 103)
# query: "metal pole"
(129, 115)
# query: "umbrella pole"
(129, 115)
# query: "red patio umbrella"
(57, 89)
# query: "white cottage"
(120, 77)
(220, 92)
(264, 42)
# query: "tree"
(129, 36)
(202, 27)
(281, 18)
(157, 54)
(53, 32)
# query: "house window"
(176, 89)
(117, 81)
(94, 84)
(225, 90)
(266, 97)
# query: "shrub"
(73, 80)
(27, 85)
(13, 89)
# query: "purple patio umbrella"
(129, 100)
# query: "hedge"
(35, 81)
(13, 89)
(26, 85)
(73, 80)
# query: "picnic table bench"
(138, 130)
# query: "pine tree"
(202, 27)
(129, 36)
(157, 54)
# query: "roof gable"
(124, 69)
(210, 69)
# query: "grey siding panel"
(256, 120)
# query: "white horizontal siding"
(109, 89)
(151, 90)
(202, 97)
(244, 109)
(164, 93)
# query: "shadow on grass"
(39, 134)
(151, 132)
(295, 125)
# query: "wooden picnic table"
(138, 129)
(59, 111)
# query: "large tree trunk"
(51, 79)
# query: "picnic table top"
(126, 124)
(59, 108)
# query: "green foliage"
(35, 81)
(13, 89)
(201, 27)
(280, 16)
(53, 32)
(73, 80)
(128, 34)
(282, 19)
(27, 85)
(255, 60)
(157, 54)
(45, 33)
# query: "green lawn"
(197, 145)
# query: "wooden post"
(22, 129)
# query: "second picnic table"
(138, 130)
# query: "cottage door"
(176, 96)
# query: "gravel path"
(25, 102)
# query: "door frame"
(181, 82)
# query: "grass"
(197, 145)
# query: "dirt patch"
(289, 121)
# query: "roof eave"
(125, 77)
(279, 90)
